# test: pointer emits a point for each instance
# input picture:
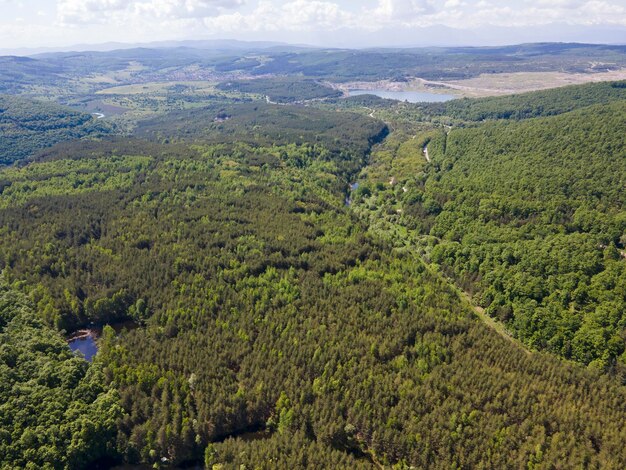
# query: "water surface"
(85, 342)
(410, 96)
(85, 345)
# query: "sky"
(53, 23)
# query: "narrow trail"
(392, 234)
(370, 109)
(466, 299)
(491, 323)
(269, 101)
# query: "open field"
(158, 87)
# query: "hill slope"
(532, 215)
(267, 307)
(282, 90)
(27, 126)
(56, 411)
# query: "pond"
(410, 96)
(85, 342)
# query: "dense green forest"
(543, 232)
(58, 182)
(27, 126)
(279, 326)
(271, 311)
(268, 124)
(55, 409)
(282, 90)
(530, 217)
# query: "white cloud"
(397, 8)
(330, 15)
(184, 8)
(297, 15)
(474, 14)
(101, 11)
(290, 20)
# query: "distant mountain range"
(215, 44)
(436, 35)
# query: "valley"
(268, 273)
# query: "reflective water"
(410, 96)
(86, 345)
(84, 342)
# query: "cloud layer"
(323, 15)
(30, 22)
(96, 11)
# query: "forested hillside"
(328, 147)
(431, 63)
(55, 411)
(278, 330)
(282, 90)
(531, 216)
(18, 73)
(307, 286)
(341, 140)
(259, 122)
(27, 126)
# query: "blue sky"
(40, 23)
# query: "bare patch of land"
(494, 84)
(509, 83)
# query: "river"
(351, 187)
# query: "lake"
(410, 96)
(85, 342)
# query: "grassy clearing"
(158, 87)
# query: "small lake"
(85, 345)
(85, 342)
(410, 96)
